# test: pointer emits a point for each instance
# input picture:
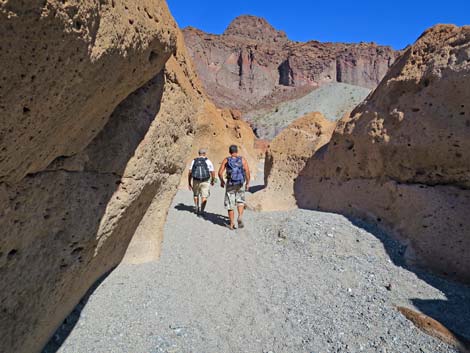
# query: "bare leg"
(196, 203)
(203, 204)
(241, 208)
(231, 216)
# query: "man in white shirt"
(200, 176)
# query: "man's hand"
(247, 187)
(190, 187)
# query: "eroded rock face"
(83, 149)
(220, 128)
(286, 157)
(252, 64)
(65, 67)
(402, 159)
(214, 129)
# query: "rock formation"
(220, 128)
(402, 159)
(92, 131)
(99, 111)
(252, 64)
(286, 157)
(435, 329)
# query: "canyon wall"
(253, 65)
(220, 128)
(402, 158)
(286, 156)
(94, 127)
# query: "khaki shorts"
(234, 195)
(201, 188)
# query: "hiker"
(238, 181)
(201, 173)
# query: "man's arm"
(212, 177)
(247, 174)
(221, 172)
(190, 179)
(211, 171)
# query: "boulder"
(286, 157)
(402, 158)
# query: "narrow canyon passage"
(297, 281)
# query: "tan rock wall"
(66, 66)
(83, 150)
(182, 101)
(286, 157)
(220, 128)
(402, 160)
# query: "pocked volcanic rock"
(402, 159)
(100, 110)
(94, 127)
(286, 156)
(253, 65)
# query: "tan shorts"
(201, 188)
(234, 195)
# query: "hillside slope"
(333, 100)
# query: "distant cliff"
(252, 64)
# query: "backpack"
(235, 171)
(200, 170)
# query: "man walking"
(238, 181)
(201, 173)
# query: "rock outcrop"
(93, 128)
(286, 157)
(402, 159)
(435, 329)
(220, 128)
(252, 64)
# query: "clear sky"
(391, 22)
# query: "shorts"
(201, 188)
(234, 195)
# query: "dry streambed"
(298, 281)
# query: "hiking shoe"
(240, 224)
(196, 210)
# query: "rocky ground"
(297, 281)
(333, 100)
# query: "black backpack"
(200, 170)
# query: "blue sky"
(396, 23)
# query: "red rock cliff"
(251, 61)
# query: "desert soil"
(296, 281)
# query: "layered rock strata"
(253, 65)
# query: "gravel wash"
(297, 281)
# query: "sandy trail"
(298, 281)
